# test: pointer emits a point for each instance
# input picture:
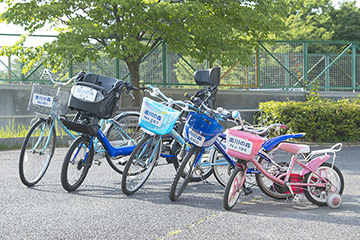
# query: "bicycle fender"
(314, 164)
(273, 142)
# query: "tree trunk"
(134, 69)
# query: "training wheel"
(334, 200)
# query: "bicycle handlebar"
(50, 74)
(236, 115)
(157, 93)
(223, 114)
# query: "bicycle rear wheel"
(184, 173)
(319, 195)
(124, 131)
(76, 163)
(140, 164)
(221, 168)
(233, 188)
(268, 187)
(36, 152)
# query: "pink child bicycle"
(320, 180)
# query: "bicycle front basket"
(156, 117)
(243, 145)
(48, 100)
(201, 130)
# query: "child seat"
(95, 95)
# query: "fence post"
(257, 66)
(353, 67)
(305, 61)
(9, 64)
(327, 73)
(164, 60)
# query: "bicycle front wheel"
(140, 164)
(36, 152)
(125, 131)
(184, 173)
(233, 188)
(76, 164)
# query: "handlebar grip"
(134, 88)
(150, 87)
(189, 96)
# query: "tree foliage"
(129, 29)
(320, 20)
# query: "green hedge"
(322, 120)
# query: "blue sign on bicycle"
(42, 100)
(239, 144)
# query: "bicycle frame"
(111, 150)
(311, 166)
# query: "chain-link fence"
(285, 65)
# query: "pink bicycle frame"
(312, 166)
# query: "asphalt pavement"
(99, 209)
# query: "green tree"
(344, 22)
(305, 18)
(129, 29)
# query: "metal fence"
(285, 65)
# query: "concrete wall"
(14, 99)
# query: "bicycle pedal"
(297, 198)
(247, 191)
(97, 162)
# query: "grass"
(20, 130)
(12, 131)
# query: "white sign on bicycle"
(84, 93)
(42, 100)
(152, 117)
(239, 144)
(196, 138)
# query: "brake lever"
(131, 95)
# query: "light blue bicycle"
(50, 103)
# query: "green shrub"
(322, 120)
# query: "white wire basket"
(48, 100)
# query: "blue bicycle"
(95, 98)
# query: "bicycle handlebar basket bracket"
(201, 130)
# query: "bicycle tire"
(126, 132)
(315, 194)
(202, 173)
(76, 163)
(36, 152)
(183, 174)
(140, 164)
(221, 168)
(268, 187)
(233, 188)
